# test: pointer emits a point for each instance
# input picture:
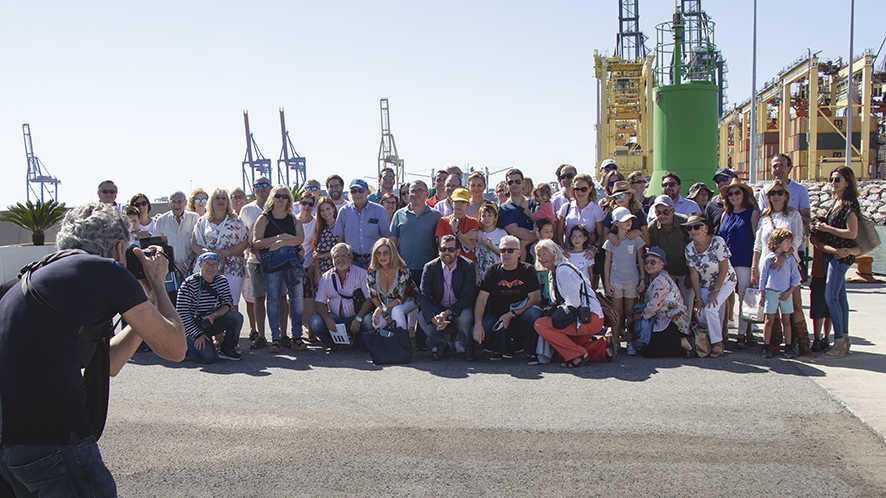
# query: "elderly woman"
(197, 201)
(238, 199)
(837, 239)
(145, 222)
(738, 224)
(391, 288)
(712, 276)
(573, 289)
(662, 324)
(277, 229)
(206, 309)
(223, 232)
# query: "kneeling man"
(447, 298)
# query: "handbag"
(279, 259)
(357, 298)
(751, 310)
(563, 314)
(388, 346)
(867, 238)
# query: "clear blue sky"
(152, 97)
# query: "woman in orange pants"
(569, 286)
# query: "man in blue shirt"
(412, 229)
(513, 215)
(360, 223)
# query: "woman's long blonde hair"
(396, 261)
(210, 209)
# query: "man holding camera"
(52, 414)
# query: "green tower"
(686, 105)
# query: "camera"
(134, 265)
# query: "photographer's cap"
(207, 256)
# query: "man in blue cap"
(360, 223)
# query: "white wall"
(13, 258)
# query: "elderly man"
(670, 186)
(335, 188)
(714, 211)
(565, 174)
(444, 206)
(107, 194)
(334, 302)
(386, 181)
(506, 309)
(666, 231)
(207, 310)
(459, 224)
(360, 223)
(177, 225)
(513, 215)
(439, 188)
(448, 291)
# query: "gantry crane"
(289, 159)
(387, 149)
(254, 161)
(38, 181)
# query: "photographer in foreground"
(58, 322)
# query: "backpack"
(93, 348)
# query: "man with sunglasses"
(667, 232)
(506, 307)
(386, 181)
(177, 226)
(565, 174)
(335, 188)
(360, 223)
(254, 292)
(107, 193)
(513, 215)
(670, 186)
(448, 291)
(714, 210)
(607, 166)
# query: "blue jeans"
(229, 324)
(835, 297)
(274, 282)
(521, 328)
(439, 340)
(318, 327)
(642, 328)
(56, 470)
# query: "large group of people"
(525, 270)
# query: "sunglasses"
(836, 179)
(669, 184)
(567, 176)
(734, 193)
(695, 227)
(721, 179)
(448, 249)
(776, 192)
(306, 203)
(512, 182)
(200, 201)
(140, 203)
(261, 185)
(621, 195)
(638, 182)
(281, 196)
(106, 191)
(219, 198)
(509, 250)
(581, 189)
(356, 190)
(238, 196)
(312, 188)
(610, 168)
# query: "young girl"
(623, 270)
(488, 237)
(779, 284)
(580, 241)
(544, 207)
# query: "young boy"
(779, 283)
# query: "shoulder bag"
(279, 259)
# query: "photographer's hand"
(156, 266)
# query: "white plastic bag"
(751, 308)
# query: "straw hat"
(620, 186)
(748, 191)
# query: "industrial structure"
(255, 164)
(387, 149)
(625, 83)
(802, 112)
(38, 181)
(290, 160)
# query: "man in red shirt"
(439, 188)
(460, 224)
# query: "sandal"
(275, 346)
(298, 345)
(575, 362)
(253, 335)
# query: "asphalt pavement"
(311, 424)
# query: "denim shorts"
(773, 304)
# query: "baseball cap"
(621, 214)
(356, 182)
(461, 194)
(725, 172)
(658, 252)
(663, 200)
(608, 163)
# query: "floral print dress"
(664, 304)
(707, 263)
(228, 233)
(324, 244)
(403, 288)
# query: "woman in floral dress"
(222, 232)
(324, 239)
(391, 288)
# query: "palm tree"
(36, 217)
(297, 191)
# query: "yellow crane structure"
(802, 112)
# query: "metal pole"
(752, 157)
(851, 84)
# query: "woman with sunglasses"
(623, 196)
(306, 218)
(712, 276)
(582, 210)
(197, 201)
(391, 288)
(277, 228)
(777, 214)
(145, 222)
(638, 186)
(836, 237)
(222, 232)
(737, 226)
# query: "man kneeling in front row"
(339, 289)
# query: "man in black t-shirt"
(48, 441)
(506, 303)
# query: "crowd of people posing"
(567, 276)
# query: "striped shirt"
(194, 301)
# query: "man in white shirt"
(254, 291)
(335, 187)
(444, 206)
(177, 226)
(670, 186)
(107, 194)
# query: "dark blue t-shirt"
(509, 213)
(42, 396)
